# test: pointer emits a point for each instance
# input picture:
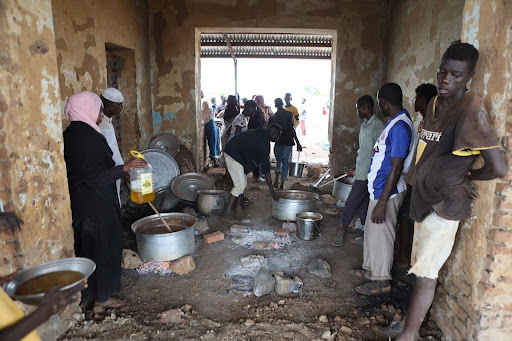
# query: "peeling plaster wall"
(81, 30)
(32, 170)
(419, 33)
(359, 57)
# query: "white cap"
(113, 95)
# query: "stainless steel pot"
(292, 202)
(211, 202)
(308, 225)
(297, 168)
(154, 242)
(342, 188)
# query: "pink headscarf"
(84, 107)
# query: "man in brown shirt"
(456, 129)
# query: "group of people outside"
(420, 177)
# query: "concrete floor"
(220, 290)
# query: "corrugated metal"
(253, 45)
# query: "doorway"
(273, 62)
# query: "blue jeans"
(283, 155)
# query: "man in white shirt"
(112, 106)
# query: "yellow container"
(141, 182)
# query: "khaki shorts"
(432, 245)
(237, 172)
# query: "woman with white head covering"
(94, 203)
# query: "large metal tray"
(169, 143)
(79, 264)
(186, 186)
(165, 168)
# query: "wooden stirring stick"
(161, 218)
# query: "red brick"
(213, 237)
(282, 232)
(502, 219)
(504, 204)
(497, 249)
(500, 236)
(501, 186)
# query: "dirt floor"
(215, 301)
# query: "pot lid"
(186, 186)
(165, 200)
(165, 168)
(169, 143)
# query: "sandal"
(361, 273)
(373, 288)
(339, 239)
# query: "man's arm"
(494, 166)
(379, 212)
(299, 146)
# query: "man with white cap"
(112, 105)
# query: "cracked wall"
(359, 58)
(81, 30)
(33, 173)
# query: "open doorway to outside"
(273, 63)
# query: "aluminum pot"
(154, 242)
(211, 202)
(308, 225)
(296, 168)
(342, 188)
(292, 202)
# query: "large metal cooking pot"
(292, 202)
(155, 242)
(211, 202)
(342, 188)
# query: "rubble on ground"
(328, 199)
(183, 265)
(320, 268)
(332, 211)
(130, 259)
(263, 283)
(201, 226)
(253, 262)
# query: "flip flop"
(339, 239)
(372, 288)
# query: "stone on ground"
(249, 323)
(332, 211)
(260, 245)
(201, 226)
(285, 286)
(345, 330)
(323, 319)
(130, 259)
(237, 240)
(263, 283)
(172, 316)
(328, 199)
(184, 265)
(213, 237)
(315, 171)
(254, 262)
(320, 268)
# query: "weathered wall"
(33, 181)
(476, 292)
(82, 28)
(359, 57)
(419, 32)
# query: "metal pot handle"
(314, 222)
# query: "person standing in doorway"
(455, 131)
(223, 104)
(265, 109)
(283, 147)
(424, 93)
(213, 100)
(358, 199)
(288, 106)
(302, 117)
(392, 156)
(112, 100)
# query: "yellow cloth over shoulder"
(10, 313)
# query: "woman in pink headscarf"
(92, 176)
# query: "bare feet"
(111, 303)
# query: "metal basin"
(308, 225)
(211, 202)
(342, 188)
(155, 242)
(292, 202)
(79, 264)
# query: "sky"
(271, 78)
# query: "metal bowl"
(83, 265)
